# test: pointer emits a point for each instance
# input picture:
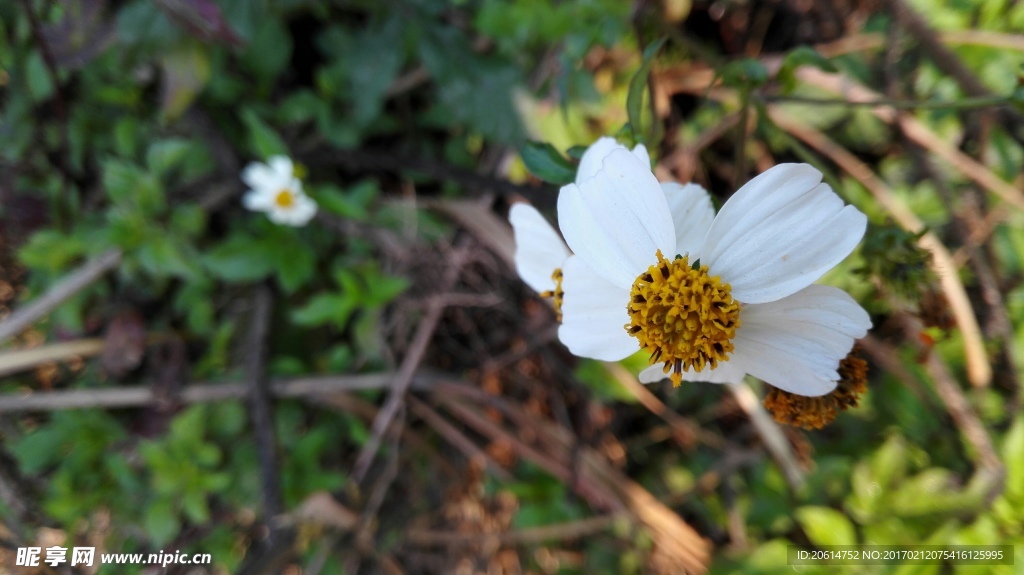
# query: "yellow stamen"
(684, 317)
(817, 412)
(556, 293)
(284, 199)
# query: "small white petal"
(796, 343)
(594, 315)
(539, 248)
(726, 372)
(258, 175)
(257, 200)
(304, 210)
(618, 219)
(279, 216)
(692, 213)
(779, 233)
(282, 166)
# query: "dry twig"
(73, 283)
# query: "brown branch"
(142, 396)
(604, 486)
(259, 400)
(73, 283)
(410, 363)
(471, 450)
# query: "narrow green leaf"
(544, 161)
(637, 88)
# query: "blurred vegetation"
(125, 125)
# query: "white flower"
(540, 251)
(749, 307)
(274, 189)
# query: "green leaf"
(801, 56)
(239, 259)
(889, 464)
(39, 449)
(295, 267)
(352, 203)
(302, 105)
(131, 187)
(384, 289)
(161, 255)
(375, 60)
(744, 74)
(38, 77)
(51, 250)
(474, 89)
(270, 49)
(164, 155)
(161, 522)
(264, 142)
(544, 161)
(194, 505)
(637, 88)
(324, 308)
(189, 220)
(1013, 455)
(826, 526)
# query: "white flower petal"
(257, 200)
(618, 219)
(282, 166)
(304, 210)
(692, 213)
(539, 248)
(726, 372)
(640, 151)
(593, 158)
(594, 315)
(779, 233)
(796, 343)
(258, 175)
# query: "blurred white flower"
(738, 298)
(275, 190)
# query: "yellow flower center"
(684, 317)
(284, 199)
(556, 293)
(817, 412)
